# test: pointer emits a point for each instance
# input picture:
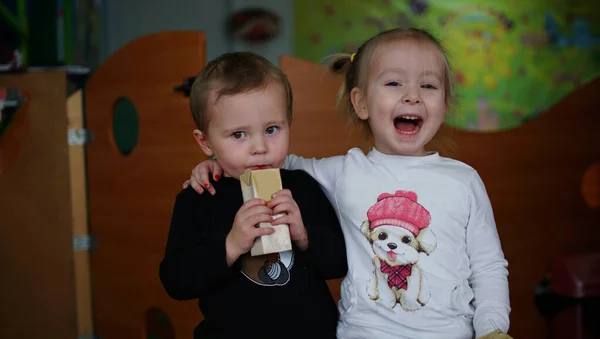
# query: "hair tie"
(352, 57)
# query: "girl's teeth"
(417, 128)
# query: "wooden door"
(131, 196)
(36, 253)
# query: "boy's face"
(247, 131)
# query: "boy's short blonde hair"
(234, 73)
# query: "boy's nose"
(259, 146)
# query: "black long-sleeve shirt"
(282, 295)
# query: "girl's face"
(404, 101)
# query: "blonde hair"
(355, 67)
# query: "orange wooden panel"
(131, 198)
(533, 175)
(36, 253)
(317, 131)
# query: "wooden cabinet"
(45, 285)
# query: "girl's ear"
(445, 112)
(359, 103)
(202, 140)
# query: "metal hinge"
(84, 242)
(79, 136)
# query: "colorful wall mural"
(513, 59)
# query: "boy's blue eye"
(271, 129)
(238, 135)
(393, 83)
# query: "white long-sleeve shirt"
(462, 272)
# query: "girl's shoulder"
(457, 170)
(457, 164)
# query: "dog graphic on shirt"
(397, 228)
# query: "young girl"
(424, 256)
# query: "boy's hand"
(283, 202)
(199, 178)
(243, 232)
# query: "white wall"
(281, 45)
(126, 20)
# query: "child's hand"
(199, 177)
(283, 202)
(243, 232)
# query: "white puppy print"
(397, 228)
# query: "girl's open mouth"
(408, 124)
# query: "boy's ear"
(359, 103)
(202, 140)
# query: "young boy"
(242, 106)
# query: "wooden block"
(496, 335)
(262, 184)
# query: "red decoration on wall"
(254, 25)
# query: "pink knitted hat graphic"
(399, 209)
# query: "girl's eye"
(428, 86)
(238, 135)
(271, 129)
(392, 83)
